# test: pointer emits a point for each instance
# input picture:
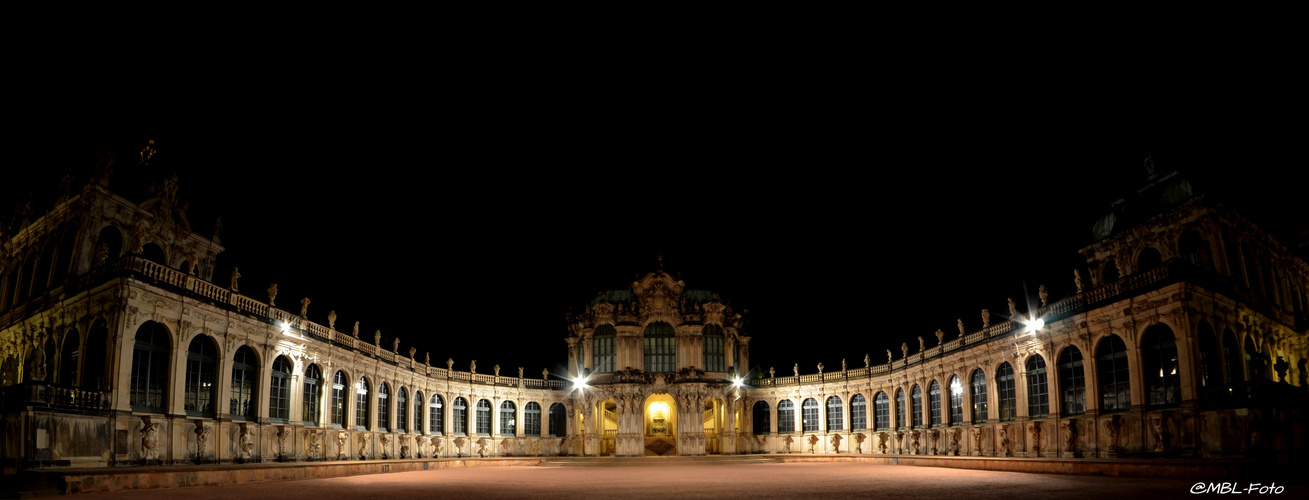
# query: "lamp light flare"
(738, 382)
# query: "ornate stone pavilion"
(1187, 337)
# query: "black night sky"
(846, 220)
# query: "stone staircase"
(645, 461)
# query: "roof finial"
(661, 262)
(1149, 167)
(147, 153)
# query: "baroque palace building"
(1186, 337)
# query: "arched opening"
(279, 391)
(713, 352)
(402, 410)
(1004, 385)
(956, 401)
(607, 423)
(201, 372)
(603, 349)
(715, 420)
(1234, 373)
(881, 411)
(760, 421)
(154, 253)
(858, 413)
(509, 418)
(1256, 366)
(150, 368)
(1110, 272)
(660, 348)
(69, 358)
(94, 362)
(660, 415)
(978, 394)
(934, 403)
(109, 245)
(532, 419)
(384, 407)
(67, 244)
(1111, 369)
(558, 420)
(1038, 396)
(1194, 250)
(1072, 382)
(1148, 259)
(313, 394)
(245, 383)
(435, 415)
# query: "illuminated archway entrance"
(660, 414)
(608, 420)
(713, 419)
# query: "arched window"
(69, 356)
(154, 253)
(201, 370)
(313, 394)
(979, 397)
(97, 348)
(1194, 250)
(459, 416)
(934, 400)
(916, 399)
(1256, 366)
(603, 349)
(418, 412)
(383, 407)
(558, 420)
(1211, 370)
(899, 409)
(483, 417)
(858, 413)
(1072, 381)
(279, 391)
(760, 414)
(402, 410)
(532, 419)
(338, 399)
(150, 368)
(881, 412)
(1110, 272)
(67, 246)
(834, 414)
(244, 382)
(660, 350)
(508, 418)
(112, 240)
(1038, 392)
(713, 349)
(1232, 358)
(785, 417)
(1148, 259)
(1111, 369)
(361, 403)
(956, 401)
(1159, 359)
(1004, 385)
(435, 416)
(809, 415)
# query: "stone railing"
(1150, 278)
(30, 394)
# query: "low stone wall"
(142, 478)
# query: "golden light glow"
(659, 410)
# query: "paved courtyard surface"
(753, 481)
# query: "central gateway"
(656, 365)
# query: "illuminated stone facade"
(1187, 337)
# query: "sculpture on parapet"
(904, 350)
(304, 307)
(888, 355)
(960, 323)
(1044, 294)
(331, 320)
(236, 274)
(1077, 280)
(1013, 308)
(940, 337)
(355, 332)
(921, 346)
(272, 295)
(986, 318)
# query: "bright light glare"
(737, 382)
(286, 326)
(1034, 325)
(579, 383)
(956, 388)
